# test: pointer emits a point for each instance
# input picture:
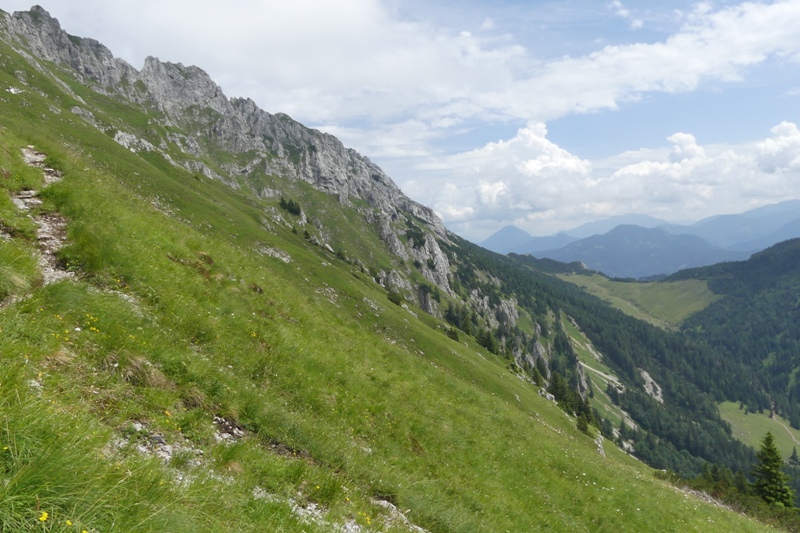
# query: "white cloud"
(684, 147)
(326, 61)
(780, 153)
(402, 140)
(621, 11)
(713, 46)
(533, 183)
(504, 180)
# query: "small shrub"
(395, 298)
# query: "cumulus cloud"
(684, 146)
(781, 152)
(533, 183)
(505, 180)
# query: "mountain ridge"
(630, 251)
(175, 89)
(271, 144)
(726, 238)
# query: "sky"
(540, 114)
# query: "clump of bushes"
(290, 205)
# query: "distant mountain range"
(637, 246)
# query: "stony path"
(51, 233)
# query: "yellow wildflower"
(43, 517)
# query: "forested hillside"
(757, 325)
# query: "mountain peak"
(506, 239)
(39, 16)
(598, 227)
(630, 251)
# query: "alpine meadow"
(213, 318)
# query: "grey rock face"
(42, 34)
(182, 92)
(527, 360)
(438, 268)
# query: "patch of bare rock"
(651, 387)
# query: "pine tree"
(740, 482)
(771, 483)
(583, 424)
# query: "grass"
(176, 321)
(664, 304)
(750, 428)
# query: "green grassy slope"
(662, 304)
(595, 371)
(326, 396)
(750, 428)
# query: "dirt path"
(605, 376)
(51, 233)
(787, 430)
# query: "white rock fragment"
(133, 143)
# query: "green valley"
(662, 304)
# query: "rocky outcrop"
(434, 263)
(583, 381)
(527, 360)
(91, 62)
(187, 100)
(652, 388)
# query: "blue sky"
(540, 114)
